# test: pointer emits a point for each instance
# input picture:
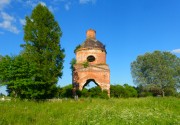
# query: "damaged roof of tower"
(92, 43)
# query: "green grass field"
(131, 111)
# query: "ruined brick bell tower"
(91, 64)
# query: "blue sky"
(128, 28)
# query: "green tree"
(4, 66)
(72, 63)
(85, 93)
(129, 91)
(143, 92)
(66, 91)
(43, 51)
(15, 72)
(158, 70)
(95, 91)
(125, 91)
(117, 91)
(77, 47)
(1, 57)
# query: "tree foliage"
(95, 92)
(72, 63)
(15, 72)
(66, 91)
(43, 52)
(125, 91)
(77, 47)
(117, 91)
(157, 71)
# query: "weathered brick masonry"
(93, 53)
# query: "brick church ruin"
(91, 64)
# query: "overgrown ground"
(135, 111)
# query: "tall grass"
(132, 111)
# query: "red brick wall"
(101, 78)
(91, 34)
(99, 73)
(100, 56)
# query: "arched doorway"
(91, 89)
(90, 83)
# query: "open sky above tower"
(128, 28)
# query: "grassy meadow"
(130, 111)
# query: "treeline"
(116, 91)
(95, 92)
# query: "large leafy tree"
(123, 91)
(15, 73)
(0, 77)
(157, 71)
(43, 51)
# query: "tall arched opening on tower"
(88, 82)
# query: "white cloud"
(7, 23)
(42, 3)
(3, 3)
(6, 16)
(57, 1)
(87, 1)
(53, 5)
(52, 8)
(177, 51)
(67, 6)
(31, 3)
(8, 26)
(22, 21)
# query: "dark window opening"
(90, 58)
